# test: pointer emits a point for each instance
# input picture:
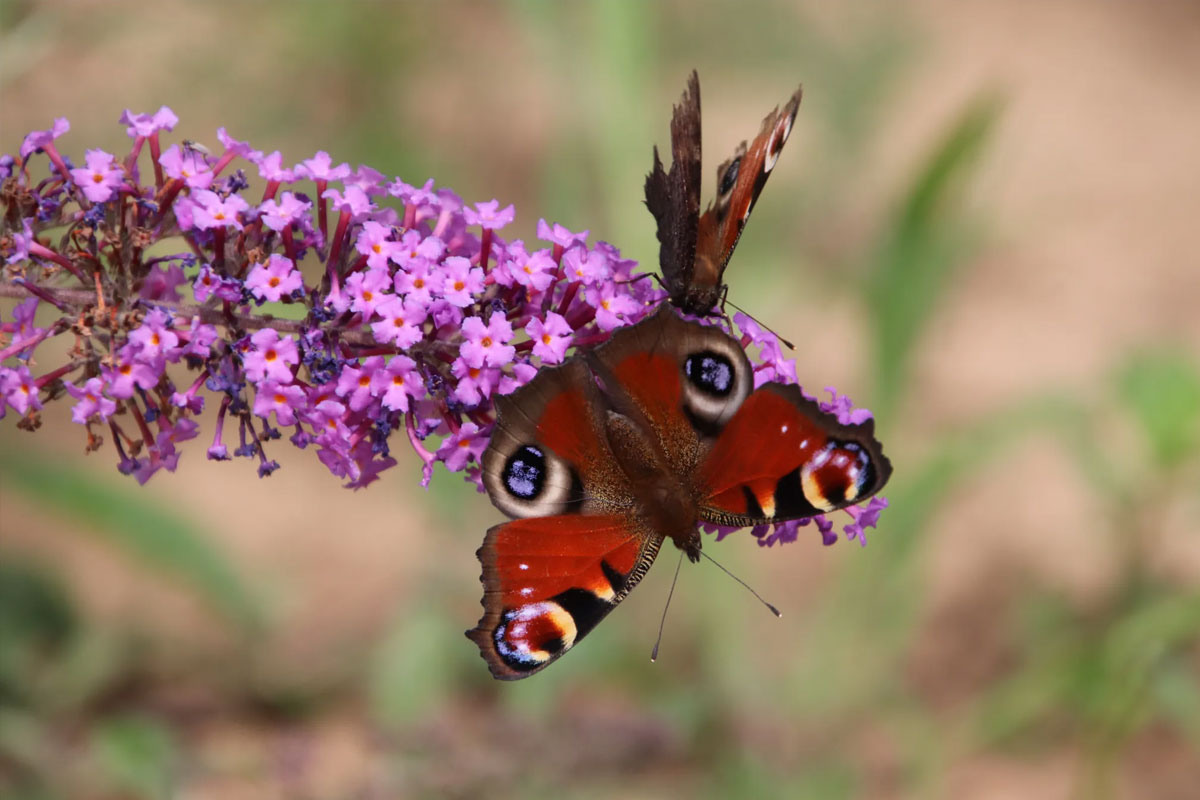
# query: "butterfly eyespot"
(531, 635)
(525, 473)
(710, 372)
(730, 177)
(525, 480)
(715, 382)
(837, 475)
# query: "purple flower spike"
(411, 318)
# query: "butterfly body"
(602, 459)
(694, 248)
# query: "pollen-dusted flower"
(399, 322)
(99, 179)
(475, 384)
(281, 214)
(551, 337)
(464, 445)
(356, 385)
(613, 308)
(275, 280)
(146, 124)
(375, 242)
(214, 211)
(19, 389)
(559, 235)
(489, 215)
(282, 400)
(129, 374)
(155, 339)
(270, 356)
(38, 140)
(461, 282)
(92, 401)
(320, 168)
(534, 271)
(487, 344)
(588, 267)
(189, 166)
(398, 383)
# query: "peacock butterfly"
(601, 459)
(694, 249)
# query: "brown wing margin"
(674, 197)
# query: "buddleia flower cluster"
(336, 308)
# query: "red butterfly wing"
(781, 457)
(548, 580)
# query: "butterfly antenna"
(774, 610)
(663, 621)
(782, 340)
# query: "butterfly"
(600, 460)
(694, 248)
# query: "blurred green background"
(983, 229)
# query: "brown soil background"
(1090, 191)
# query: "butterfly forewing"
(739, 182)
(674, 197)
(695, 249)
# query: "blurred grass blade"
(137, 755)
(133, 520)
(1162, 389)
(919, 253)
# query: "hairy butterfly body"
(694, 248)
(602, 459)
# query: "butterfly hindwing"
(781, 457)
(694, 249)
(549, 580)
(576, 547)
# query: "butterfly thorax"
(699, 300)
(664, 503)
